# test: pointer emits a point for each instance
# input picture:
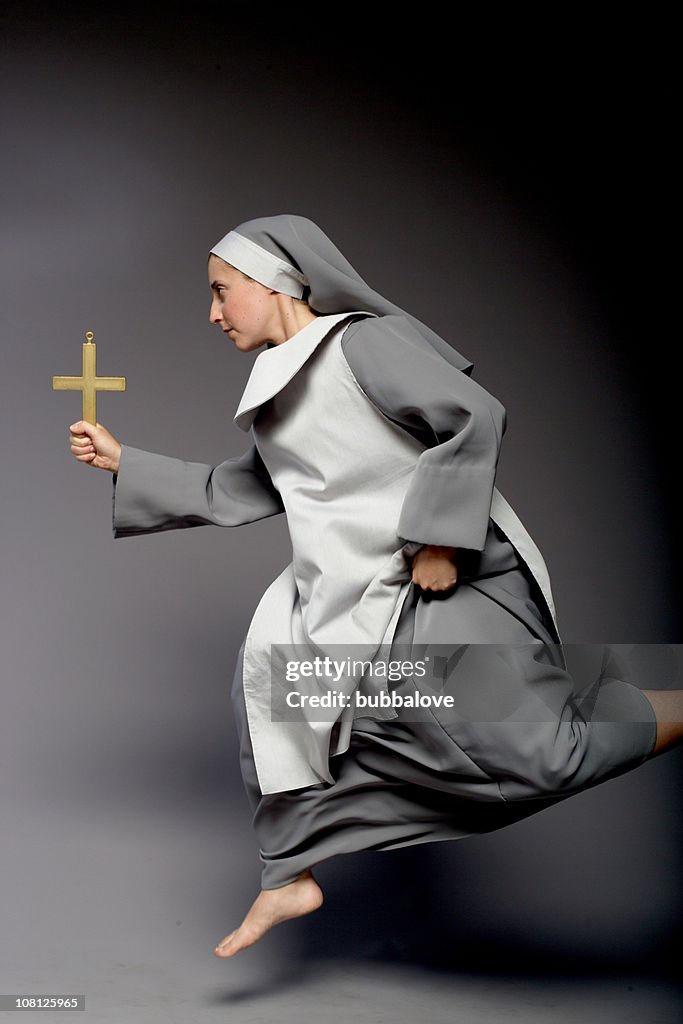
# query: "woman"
(370, 434)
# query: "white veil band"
(263, 266)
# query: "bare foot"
(272, 906)
(668, 709)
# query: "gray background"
(515, 199)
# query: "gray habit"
(425, 775)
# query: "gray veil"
(335, 287)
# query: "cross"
(89, 383)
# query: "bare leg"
(271, 907)
(668, 709)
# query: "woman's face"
(244, 309)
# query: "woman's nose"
(214, 314)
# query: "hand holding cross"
(90, 441)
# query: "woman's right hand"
(92, 443)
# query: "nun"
(368, 431)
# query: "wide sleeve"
(154, 492)
(448, 499)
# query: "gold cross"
(89, 383)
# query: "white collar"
(275, 366)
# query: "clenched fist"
(434, 568)
(92, 443)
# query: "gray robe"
(438, 775)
